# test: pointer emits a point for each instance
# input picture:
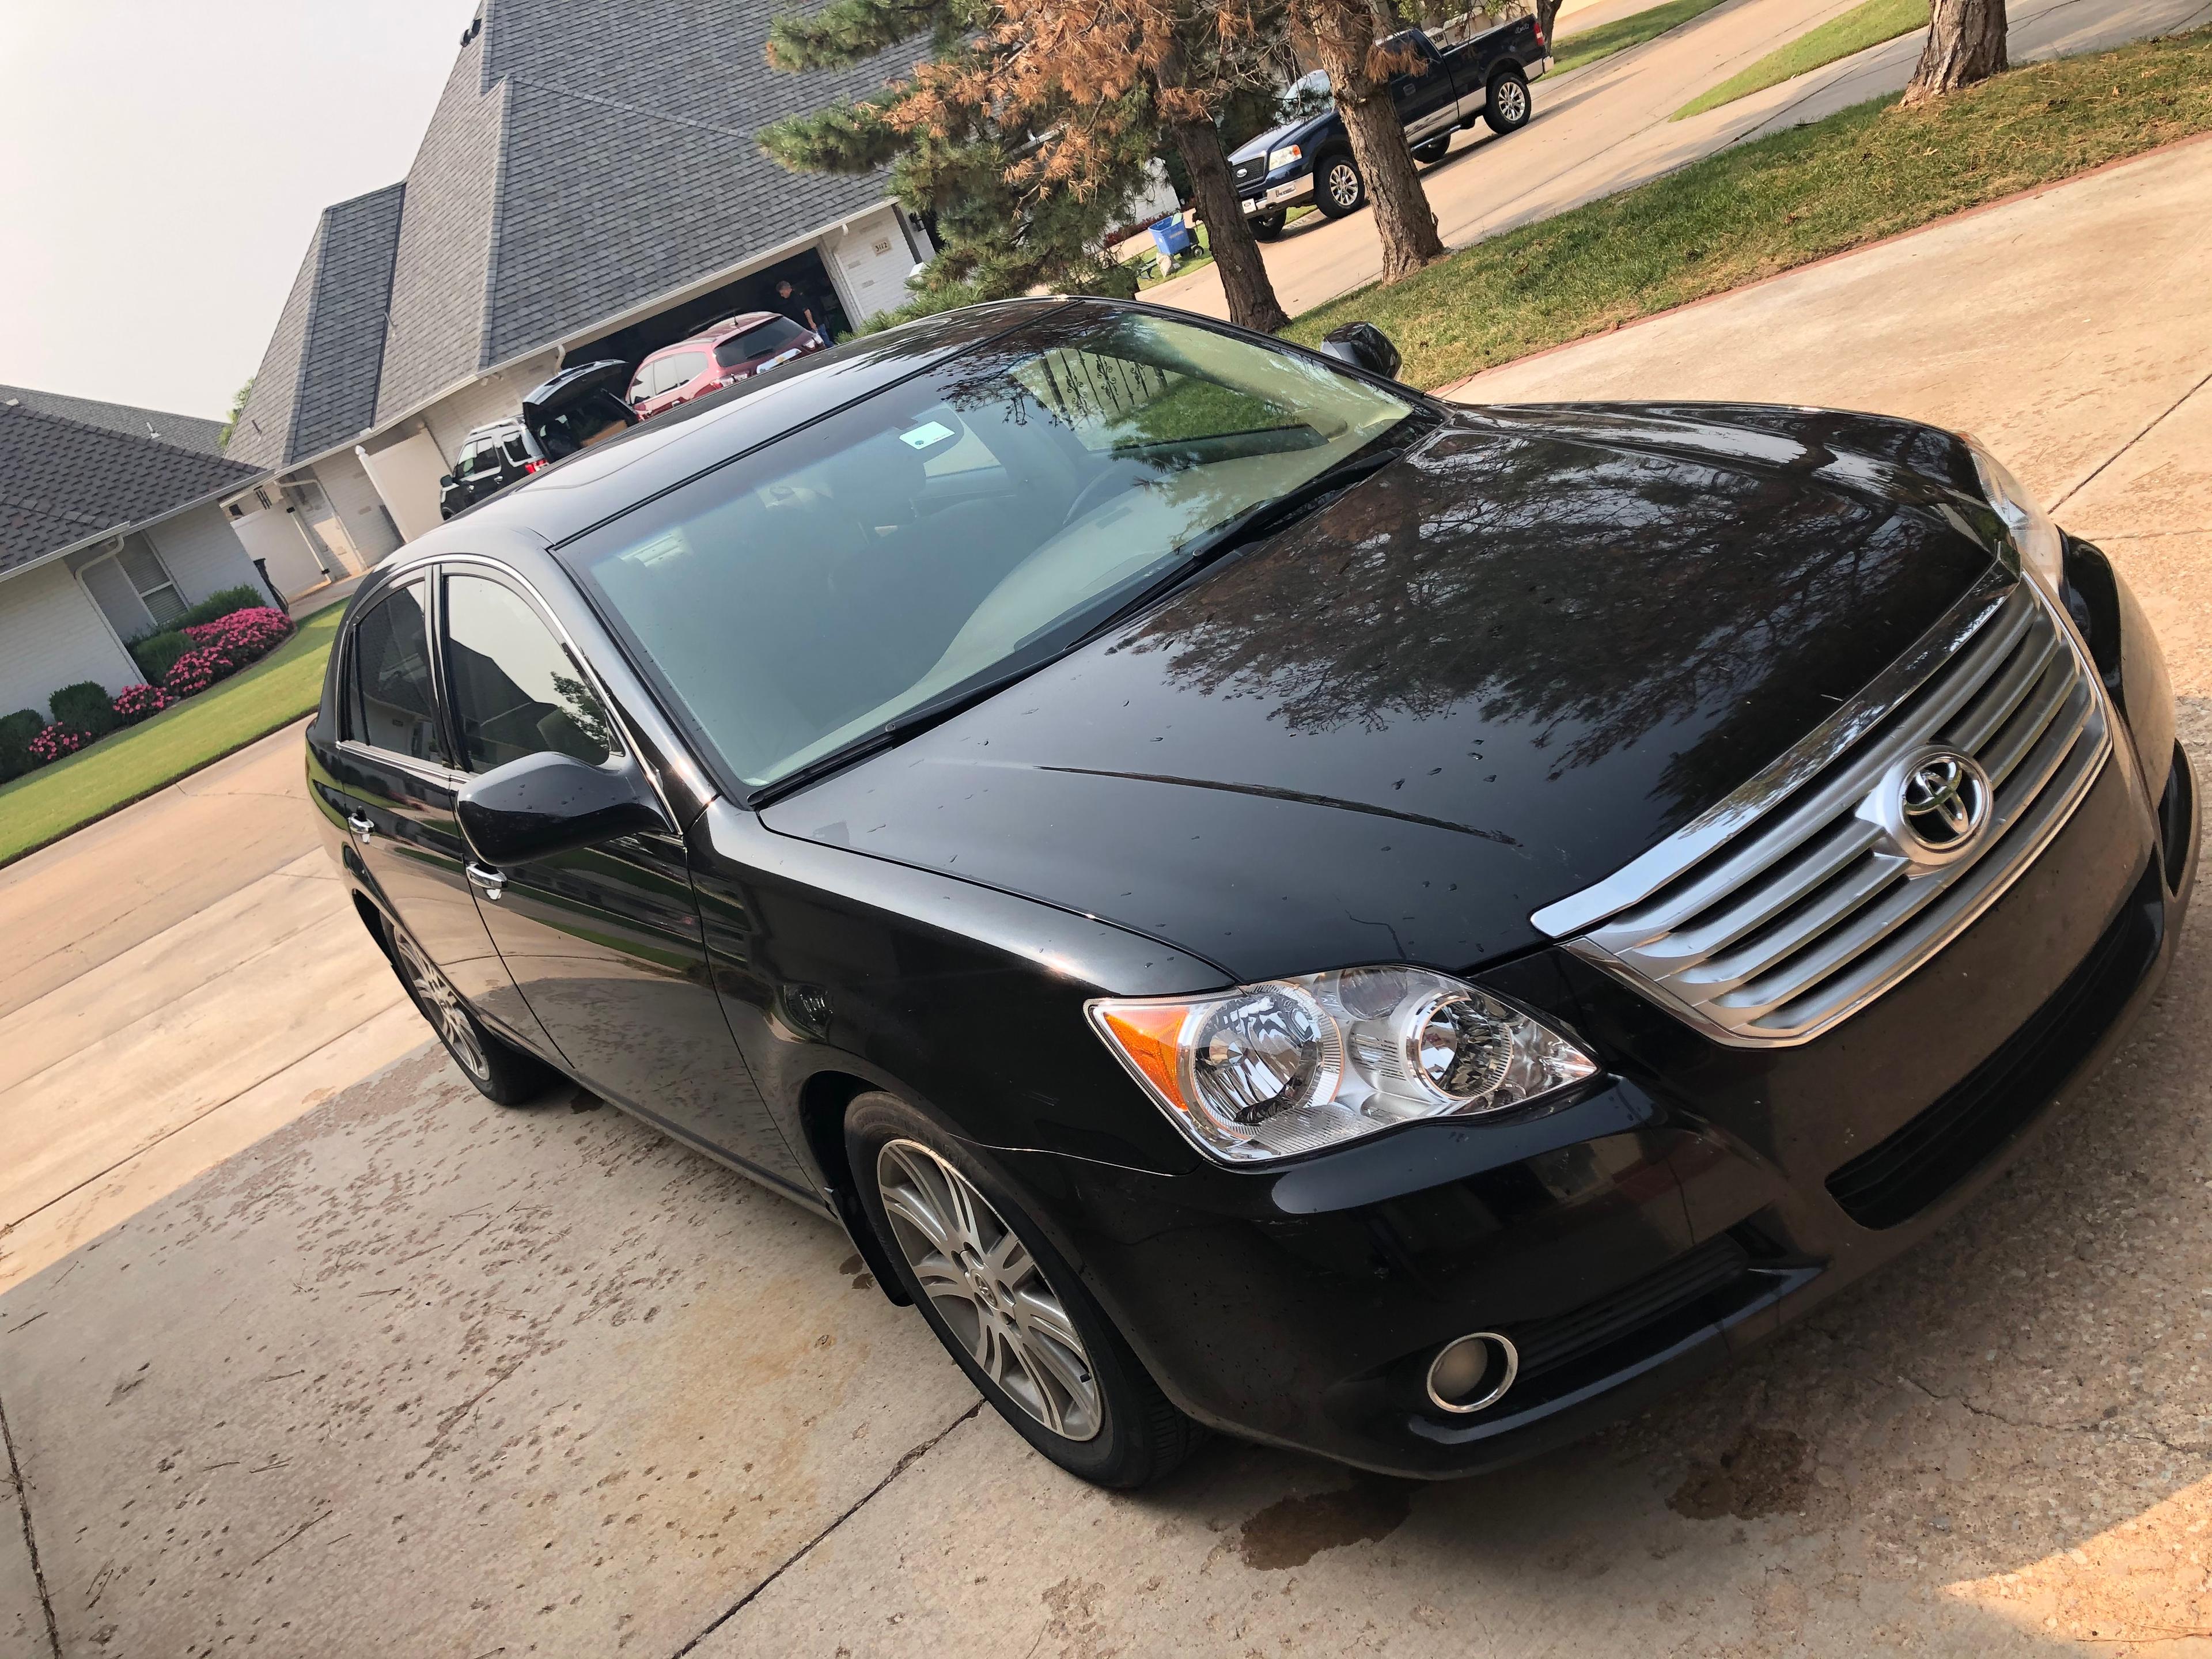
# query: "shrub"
(57, 740)
(195, 671)
(155, 653)
(134, 704)
(85, 706)
(243, 636)
(16, 731)
(216, 605)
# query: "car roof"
(713, 333)
(587, 489)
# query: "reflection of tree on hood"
(1595, 597)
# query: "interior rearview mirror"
(546, 804)
(1364, 346)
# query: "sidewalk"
(1605, 129)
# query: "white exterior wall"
(870, 260)
(202, 554)
(354, 499)
(273, 536)
(51, 635)
(497, 397)
(406, 475)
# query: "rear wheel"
(1265, 226)
(1340, 189)
(1007, 1306)
(499, 1071)
(1508, 107)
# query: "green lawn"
(1588, 46)
(1862, 26)
(117, 770)
(1747, 212)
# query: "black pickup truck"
(1308, 158)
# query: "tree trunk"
(1343, 34)
(1252, 302)
(1548, 12)
(1966, 44)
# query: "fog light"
(1473, 1373)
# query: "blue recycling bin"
(1172, 237)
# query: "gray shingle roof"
(318, 380)
(584, 156)
(63, 481)
(186, 431)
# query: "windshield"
(968, 523)
(759, 341)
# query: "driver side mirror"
(1364, 346)
(550, 802)
(446, 481)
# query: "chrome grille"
(1789, 905)
(1244, 173)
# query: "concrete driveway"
(418, 1376)
(182, 977)
(1605, 128)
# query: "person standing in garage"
(803, 309)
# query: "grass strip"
(1588, 46)
(1747, 212)
(129, 765)
(1862, 26)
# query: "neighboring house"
(590, 186)
(110, 526)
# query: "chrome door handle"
(490, 882)
(363, 827)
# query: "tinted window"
(516, 691)
(778, 334)
(392, 704)
(518, 450)
(976, 519)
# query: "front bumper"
(1284, 196)
(1686, 1204)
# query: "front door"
(604, 942)
(398, 786)
(1423, 94)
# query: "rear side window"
(476, 457)
(778, 334)
(390, 703)
(684, 367)
(516, 689)
(518, 449)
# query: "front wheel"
(1007, 1306)
(499, 1071)
(1507, 109)
(1265, 226)
(1340, 189)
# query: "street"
(415, 1373)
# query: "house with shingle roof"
(111, 525)
(591, 186)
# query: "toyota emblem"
(1943, 801)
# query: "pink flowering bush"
(134, 704)
(56, 741)
(221, 647)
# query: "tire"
(1508, 107)
(499, 1071)
(1338, 187)
(1265, 226)
(1433, 152)
(1008, 1308)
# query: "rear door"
(605, 943)
(398, 785)
(1426, 102)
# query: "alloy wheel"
(1512, 101)
(987, 1287)
(443, 1005)
(1343, 185)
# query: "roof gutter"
(114, 531)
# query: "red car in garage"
(722, 354)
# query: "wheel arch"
(823, 1100)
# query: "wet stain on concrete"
(1291, 1531)
(851, 1264)
(1767, 1472)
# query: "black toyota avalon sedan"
(1261, 900)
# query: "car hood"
(1487, 676)
(1258, 148)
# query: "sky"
(162, 165)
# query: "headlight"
(1284, 157)
(1294, 1064)
(2042, 549)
